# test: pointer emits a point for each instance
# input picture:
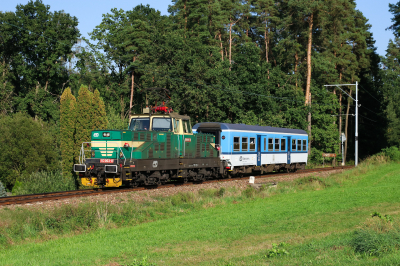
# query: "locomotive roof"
(172, 115)
(243, 127)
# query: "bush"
(25, 146)
(315, 156)
(3, 192)
(42, 182)
(393, 153)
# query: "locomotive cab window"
(252, 144)
(236, 144)
(270, 145)
(276, 144)
(293, 145)
(283, 144)
(162, 124)
(244, 144)
(265, 144)
(299, 144)
(140, 124)
(304, 145)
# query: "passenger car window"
(244, 144)
(276, 144)
(252, 144)
(293, 144)
(304, 145)
(283, 144)
(236, 143)
(299, 144)
(270, 145)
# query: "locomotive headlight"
(93, 154)
(106, 134)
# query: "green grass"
(317, 218)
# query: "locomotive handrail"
(82, 157)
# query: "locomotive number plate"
(106, 161)
(188, 140)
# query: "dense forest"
(259, 62)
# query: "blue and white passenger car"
(244, 148)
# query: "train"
(160, 146)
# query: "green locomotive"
(155, 149)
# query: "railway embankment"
(314, 218)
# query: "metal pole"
(356, 159)
(342, 153)
(356, 100)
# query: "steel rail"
(32, 198)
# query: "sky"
(89, 13)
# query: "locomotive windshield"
(162, 124)
(140, 124)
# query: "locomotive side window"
(186, 126)
(283, 144)
(299, 144)
(252, 144)
(244, 144)
(276, 144)
(293, 145)
(176, 126)
(265, 144)
(304, 145)
(236, 143)
(162, 124)
(270, 145)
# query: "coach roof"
(206, 126)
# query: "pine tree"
(137, 41)
(391, 72)
(395, 10)
(99, 112)
(67, 131)
(84, 119)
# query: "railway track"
(91, 192)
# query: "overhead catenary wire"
(370, 94)
(373, 112)
(368, 118)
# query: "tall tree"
(391, 77)
(84, 119)
(68, 116)
(99, 112)
(7, 50)
(43, 42)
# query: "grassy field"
(316, 221)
